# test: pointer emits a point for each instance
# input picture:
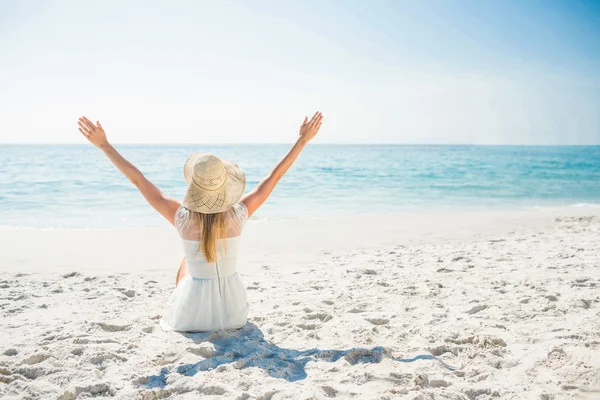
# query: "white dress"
(212, 296)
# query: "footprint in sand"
(355, 311)
(329, 391)
(212, 390)
(323, 317)
(127, 292)
(6, 375)
(101, 359)
(378, 321)
(438, 351)
(307, 327)
(455, 259)
(148, 329)
(35, 371)
(586, 303)
(77, 351)
(94, 390)
(437, 383)
(481, 341)
(205, 350)
(369, 272)
(365, 355)
(421, 380)
(35, 359)
(165, 358)
(268, 395)
(111, 328)
(476, 309)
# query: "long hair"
(212, 227)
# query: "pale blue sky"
(382, 71)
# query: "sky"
(248, 71)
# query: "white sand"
(510, 298)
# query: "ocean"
(75, 186)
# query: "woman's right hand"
(94, 133)
(309, 129)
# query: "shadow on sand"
(247, 347)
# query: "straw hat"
(214, 184)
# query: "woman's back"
(189, 229)
(212, 296)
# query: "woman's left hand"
(94, 133)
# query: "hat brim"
(218, 200)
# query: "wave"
(566, 206)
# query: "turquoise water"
(72, 186)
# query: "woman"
(209, 294)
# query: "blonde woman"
(209, 294)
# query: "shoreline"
(307, 240)
(467, 211)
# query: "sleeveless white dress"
(212, 296)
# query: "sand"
(339, 308)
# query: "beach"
(339, 308)
(407, 194)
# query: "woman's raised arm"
(261, 192)
(165, 205)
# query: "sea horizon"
(75, 186)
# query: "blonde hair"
(212, 227)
